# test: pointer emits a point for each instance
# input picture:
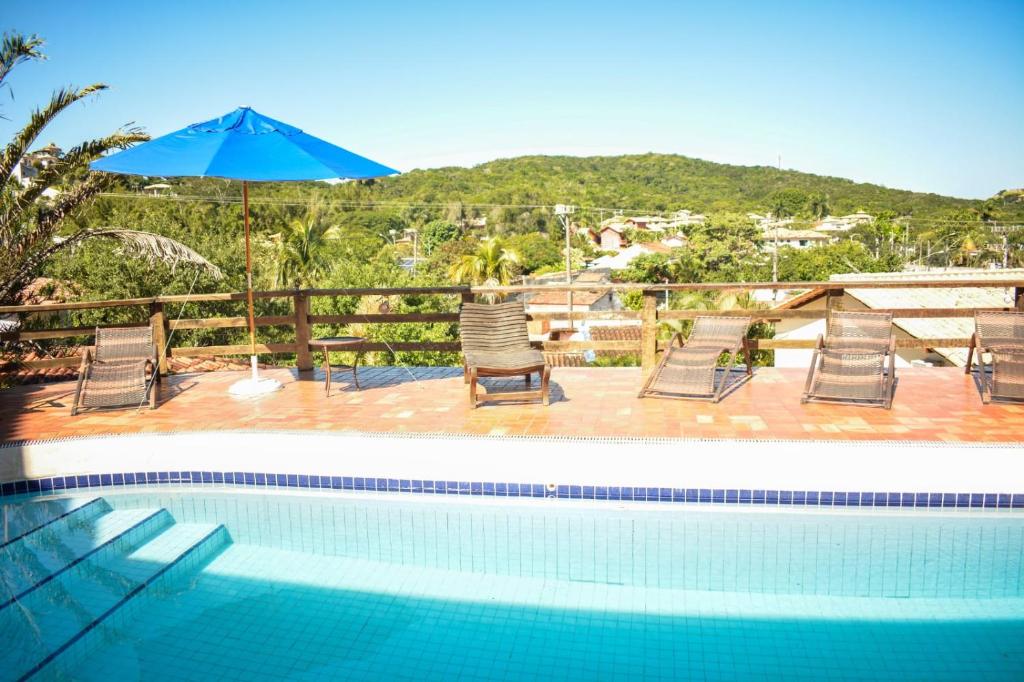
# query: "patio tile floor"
(932, 404)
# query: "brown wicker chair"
(855, 362)
(687, 371)
(495, 343)
(1001, 335)
(117, 375)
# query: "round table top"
(338, 341)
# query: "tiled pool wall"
(820, 553)
(502, 489)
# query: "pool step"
(44, 554)
(71, 578)
(19, 520)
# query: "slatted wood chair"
(855, 362)
(687, 370)
(1001, 335)
(120, 371)
(495, 343)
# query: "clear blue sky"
(926, 96)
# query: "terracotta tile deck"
(938, 404)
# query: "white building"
(798, 239)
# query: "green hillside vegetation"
(654, 182)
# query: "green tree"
(30, 224)
(303, 253)
(536, 251)
(818, 263)
(492, 263)
(788, 202)
(820, 205)
(437, 232)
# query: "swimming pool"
(174, 582)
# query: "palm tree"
(30, 224)
(303, 249)
(492, 264)
(820, 206)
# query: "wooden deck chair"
(855, 362)
(1001, 335)
(116, 376)
(495, 343)
(687, 371)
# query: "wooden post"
(468, 297)
(649, 333)
(158, 322)
(1018, 298)
(833, 301)
(303, 356)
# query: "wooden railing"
(649, 316)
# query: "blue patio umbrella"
(243, 145)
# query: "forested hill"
(656, 182)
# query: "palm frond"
(74, 161)
(16, 48)
(40, 118)
(156, 248)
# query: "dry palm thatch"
(156, 248)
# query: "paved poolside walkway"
(935, 404)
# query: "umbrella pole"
(248, 279)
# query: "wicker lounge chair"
(855, 362)
(1001, 335)
(117, 375)
(495, 343)
(688, 370)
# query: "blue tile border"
(715, 496)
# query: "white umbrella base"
(254, 385)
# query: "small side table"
(339, 343)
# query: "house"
(798, 239)
(612, 236)
(922, 328)
(685, 218)
(835, 225)
(582, 301)
(28, 167)
(623, 258)
(767, 222)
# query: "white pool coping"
(905, 466)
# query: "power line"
(359, 204)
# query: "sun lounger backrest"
(498, 327)
(1000, 328)
(124, 344)
(718, 332)
(859, 332)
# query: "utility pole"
(564, 211)
(775, 249)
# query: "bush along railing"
(297, 325)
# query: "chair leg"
(472, 387)
(465, 373)
(810, 379)
(545, 381)
(78, 393)
(986, 392)
(725, 379)
(748, 359)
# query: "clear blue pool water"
(168, 585)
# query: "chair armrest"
(677, 336)
(86, 360)
(820, 343)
